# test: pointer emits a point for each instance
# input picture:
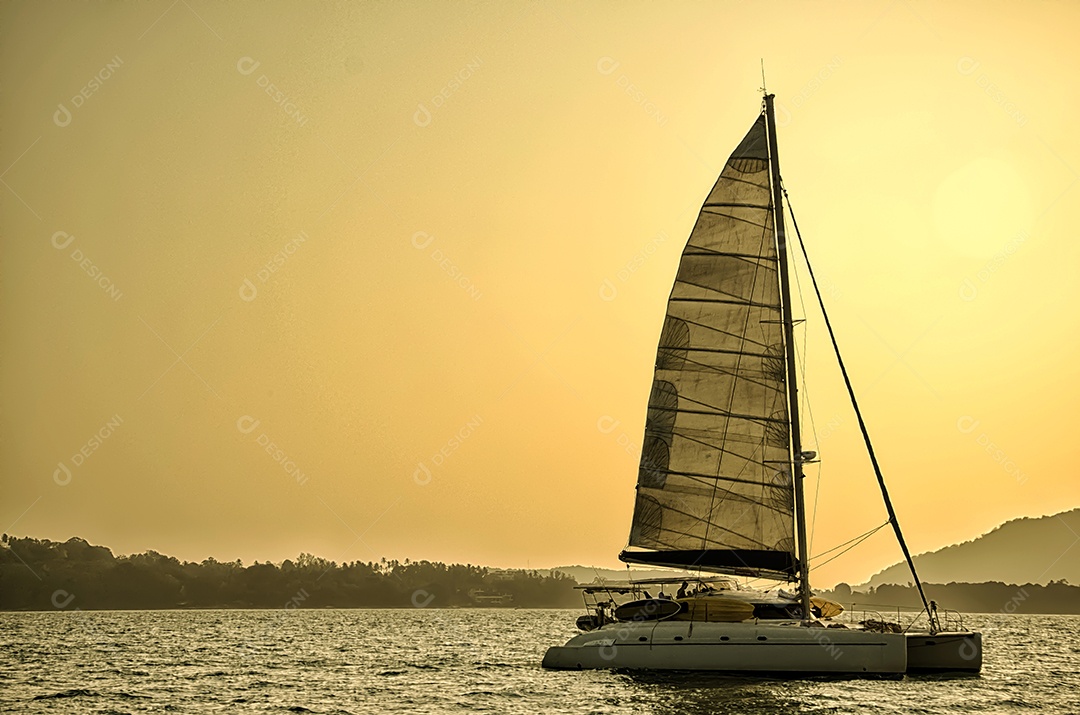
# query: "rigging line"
(698, 519)
(699, 478)
(717, 351)
(733, 204)
(721, 214)
(715, 412)
(710, 545)
(761, 380)
(735, 298)
(857, 538)
(862, 539)
(733, 179)
(715, 329)
(862, 425)
(805, 392)
(813, 428)
(741, 303)
(752, 258)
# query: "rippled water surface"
(445, 661)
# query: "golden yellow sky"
(385, 280)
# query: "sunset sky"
(386, 279)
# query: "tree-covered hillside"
(37, 574)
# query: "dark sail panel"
(748, 562)
(714, 488)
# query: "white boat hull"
(775, 647)
(944, 652)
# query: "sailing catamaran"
(720, 481)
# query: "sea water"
(459, 660)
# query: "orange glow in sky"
(385, 280)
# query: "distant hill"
(588, 574)
(1022, 551)
(964, 597)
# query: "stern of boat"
(949, 652)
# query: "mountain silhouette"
(1021, 551)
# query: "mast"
(802, 553)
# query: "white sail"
(714, 485)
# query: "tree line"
(989, 597)
(38, 574)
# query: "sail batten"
(714, 484)
(721, 301)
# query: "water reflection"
(715, 693)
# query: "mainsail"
(715, 489)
